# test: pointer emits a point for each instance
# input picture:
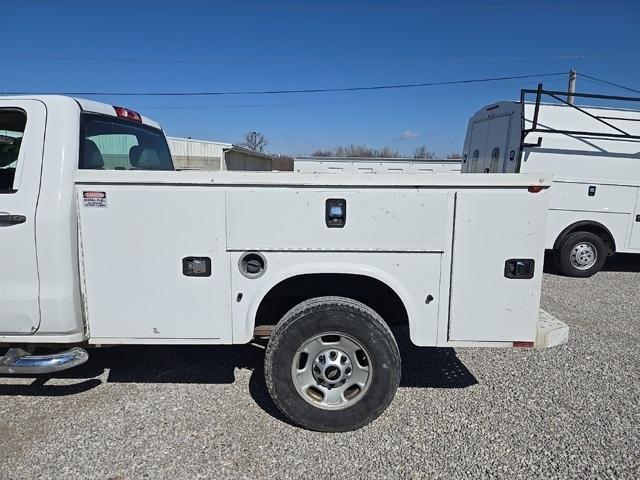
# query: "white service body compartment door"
(376, 220)
(133, 242)
(491, 228)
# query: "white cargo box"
(440, 242)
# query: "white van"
(593, 154)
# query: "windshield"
(111, 143)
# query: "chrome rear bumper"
(19, 362)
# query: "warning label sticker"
(94, 199)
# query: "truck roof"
(499, 107)
(84, 104)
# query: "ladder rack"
(558, 96)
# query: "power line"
(339, 6)
(306, 90)
(324, 102)
(349, 61)
(606, 82)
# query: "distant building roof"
(239, 148)
(379, 159)
(195, 140)
(226, 146)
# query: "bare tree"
(322, 153)
(386, 152)
(423, 152)
(358, 151)
(255, 141)
(454, 156)
(354, 151)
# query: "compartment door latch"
(196, 266)
(519, 268)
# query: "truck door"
(478, 145)
(497, 137)
(22, 125)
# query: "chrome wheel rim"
(331, 371)
(583, 255)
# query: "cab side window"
(12, 125)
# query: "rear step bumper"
(551, 331)
(18, 362)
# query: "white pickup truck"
(103, 243)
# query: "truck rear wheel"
(581, 254)
(332, 364)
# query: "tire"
(333, 329)
(581, 254)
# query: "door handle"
(519, 268)
(8, 220)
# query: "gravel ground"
(194, 412)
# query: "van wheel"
(581, 254)
(332, 364)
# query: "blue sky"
(199, 45)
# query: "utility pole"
(572, 85)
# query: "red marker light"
(535, 188)
(128, 114)
(522, 344)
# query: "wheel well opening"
(370, 291)
(591, 227)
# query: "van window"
(12, 124)
(111, 143)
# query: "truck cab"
(43, 142)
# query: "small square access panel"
(196, 266)
(336, 212)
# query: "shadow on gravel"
(623, 262)
(425, 367)
(550, 264)
(38, 388)
(619, 262)
(422, 368)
